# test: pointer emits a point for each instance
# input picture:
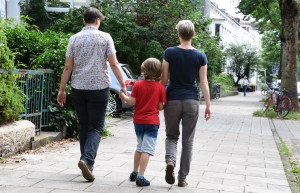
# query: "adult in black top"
(181, 65)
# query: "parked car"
(115, 104)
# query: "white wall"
(2, 8)
(13, 9)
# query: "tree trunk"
(289, 17)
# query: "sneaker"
(141, 181)
(87, 174)
(170, 178)
(133, 176)
(182, 183)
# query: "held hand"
(124, 90)
(61, 98)
(122, 95)
(207, 114)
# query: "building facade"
(232, 31)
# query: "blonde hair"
(151, 69)
(186, 29)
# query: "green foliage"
(210, 45)
(65, 116)
(296, 170)
(226, 81)
(11, 97)
(244, 59)
(270, 52)
(142, 29)
(35, 9)
(270, 113)
(266, 13)
(35, 49)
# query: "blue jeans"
(90, 106)
(245, 89)
(146, 135)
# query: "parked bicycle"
(281, 102)
(216, 91)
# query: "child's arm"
(130, 100)
(161, 106)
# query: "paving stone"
(8, 181)
(18, 189)
(267, 180)
(234, 152)
(221, 187)
(100, 188)
(66, 185)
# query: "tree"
(244, 59)
(270, 51)
(289, 39)
(266, 14)
(143, 29)
(35, 9)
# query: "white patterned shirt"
(89, 48)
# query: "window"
(217, 29)
(65, 5)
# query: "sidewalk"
(234, 152)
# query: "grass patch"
(293, 116)
(295, 169)
(269, 113)
(106, 132)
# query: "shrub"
(225, 80)
(11, 97)
(35, 49)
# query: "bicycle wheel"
(284, 107)
(264, 92)
(267, 104)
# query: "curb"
(284, 158)
(45, 138)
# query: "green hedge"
(226, 81)
(11, 97)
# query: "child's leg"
(137, 158)
(144, 160)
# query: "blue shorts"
(146, 135)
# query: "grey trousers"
(186, 112)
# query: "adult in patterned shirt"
(86, 58)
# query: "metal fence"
(37, 86)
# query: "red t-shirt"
(147, 94)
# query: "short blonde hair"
(186, 29)
(151, 69)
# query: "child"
(148, 95)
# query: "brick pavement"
(234, 152)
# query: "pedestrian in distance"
(245, 85)
(149, 96)
(181, 65)
(86, 57)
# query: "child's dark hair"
(151, 69)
